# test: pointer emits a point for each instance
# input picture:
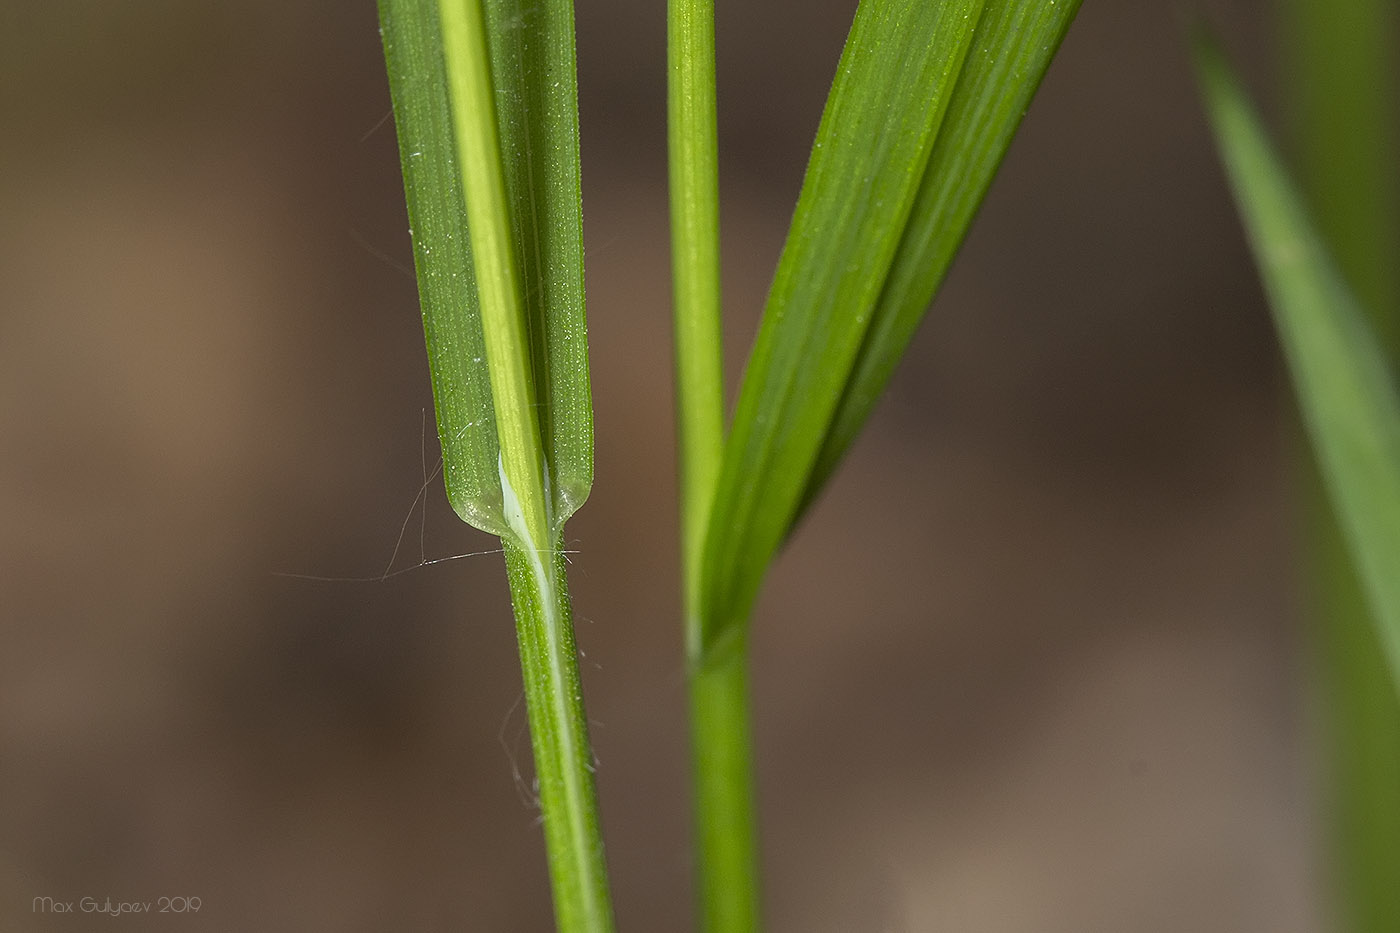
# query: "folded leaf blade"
(532, 73)
(1010, 53)
(890, 93)
(443, 259)
(534, 67)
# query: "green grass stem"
(559, 738)
(926, 98)
(485, 101)
(1361, 718)
(549, 662)
(725, 831)
(694, 183)
(726, 825)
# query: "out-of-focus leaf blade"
(889, 96)
(533, 74)
(1011, 50)
(1341, 76)
(1344, 384)
(1340, 71)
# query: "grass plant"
(926, 99)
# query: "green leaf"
(890, 93)
(442, 254)
(1341, 77)
(486, 104)
(1344, 384)
(1340, 68)
(926, 98)
(535, 73)
(534, 92)
(1011, 50)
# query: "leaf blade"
(890, 93)
(490, 219)
(1341, 376)
(443, 260)
(1011, 51)
(533, 77)
(534, 67)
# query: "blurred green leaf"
(1340, 73)
(925, 102)
(533, 74)
(1344, 384)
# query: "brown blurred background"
(1032, 667)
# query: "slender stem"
(726, 839)
(726, 830)
(694, 167)
(559, 738)
(1342, 70)
(1362, 719)
(548, 661)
